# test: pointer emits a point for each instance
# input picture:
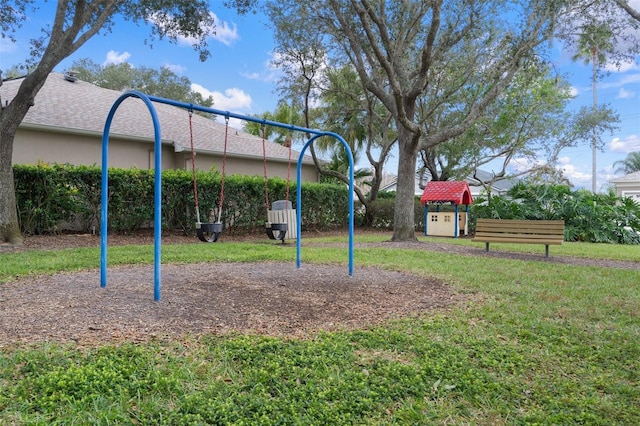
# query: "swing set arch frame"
(148, 100)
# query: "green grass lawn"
(542, 343)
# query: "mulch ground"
(219, 298)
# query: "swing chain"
(193, 166)
(264, 156)
(224, 161)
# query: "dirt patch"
(218, 298)
(263, 298)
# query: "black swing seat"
(208, 232)
(276, 231)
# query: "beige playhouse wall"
(441, 224)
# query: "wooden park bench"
(520, 231)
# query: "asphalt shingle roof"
(82, 106)
(631, 177)
(456, 192)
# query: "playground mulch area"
(219, 298)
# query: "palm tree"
(340, 163)
(631, 164)
(593, 41)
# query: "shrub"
(56, 198)
(597, 218)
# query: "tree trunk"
(403, 214)
(9, 228)
(10, 117)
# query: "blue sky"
(239, 77)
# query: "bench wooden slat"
(519, 240)
(533, 227)
(534, 224)
(507, 222)
(520, 231)
(519, 234)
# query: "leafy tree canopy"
(74, 23)
(419, 60)
(611, 26)
(630, 164)
(163, 82)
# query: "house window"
(434, 218)
(447, 218)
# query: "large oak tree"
(73, 24)
(415, 57)
(154, 82)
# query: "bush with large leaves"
(597, 218)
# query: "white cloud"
(625, 94)
(273, 73)
(233, 99)
(571, 171)
(250, 75)
(175, 68)
(622, 67)
(624, 79)
(223, 32)
(573, 91)
(523, 164)
(564, 160)
(116, 58)
(576, 175)
(607, 174)
(268, 74)
(629, 144)
(580, 176)
(7, 46)
(630, 79)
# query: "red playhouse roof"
(446, 192)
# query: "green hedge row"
(382, 211)
(53, 198)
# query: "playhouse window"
(434, 218)
(447, 218)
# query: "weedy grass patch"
(535, 343)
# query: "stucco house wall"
(66, 123)
(627, 186)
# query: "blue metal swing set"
(215, 227)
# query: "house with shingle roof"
(66, 123)
(627, 186)
(475, 182)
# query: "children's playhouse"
(446, 223)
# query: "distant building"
(66, 123)
(500, 187)
(627, 186)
